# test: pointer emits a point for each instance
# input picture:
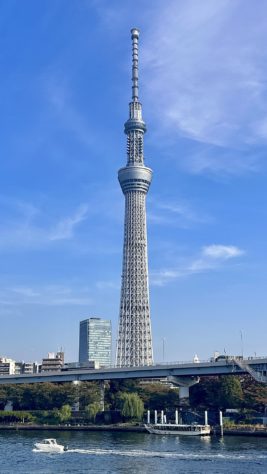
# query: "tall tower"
(134, 345)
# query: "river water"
(131, 453)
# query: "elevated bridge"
(256, 367)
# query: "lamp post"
(163, 349)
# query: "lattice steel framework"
(134, 345)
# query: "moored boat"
(175, 429)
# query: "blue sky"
(65, 88)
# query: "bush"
(16, 417)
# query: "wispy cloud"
(205, 71)
(210, 258)
(108, 285)
(58, 95)
(65, 227)
(25, 291)
(29, 226)
(221, 252)
(210, 160)
(52, 295)
(175, 213)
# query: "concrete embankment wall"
(122, 428)
(259, 433)
(21, 426)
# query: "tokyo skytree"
(134, 344)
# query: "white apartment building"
(26, 367)
(7, 366)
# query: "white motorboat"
(175, 429)
(49, 445)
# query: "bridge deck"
(222, 367)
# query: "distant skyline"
(64, 99)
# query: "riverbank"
(257, 432)
(31, 427)
(246, 432)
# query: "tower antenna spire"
(135, 37)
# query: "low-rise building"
(53, 362)
(7, 366)
(26, 367)
(31, 368)
(18, 368)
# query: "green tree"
(255, 394)
(116, 387)
(157, 396)
(206, 393)
(16, 416)
(230, 392)
(58, 415)
(14, 394)
(64, 413)
(3, 397)
(88, 393)
(218, 392)
(42, 396)
(132, 407)
(92, 410)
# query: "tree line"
(130, 398)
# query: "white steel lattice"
(134, 338)
(134, 344)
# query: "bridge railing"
(257, 375)
(226, 358)
(181, 362)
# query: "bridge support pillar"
(76, 404)
(102, 394)
(184, 384)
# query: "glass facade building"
(95, 341)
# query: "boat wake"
(35, 450)
(171, 455)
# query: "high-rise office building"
(95, 341)
(134, 346)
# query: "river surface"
(131, 453)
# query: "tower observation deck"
(134, 344)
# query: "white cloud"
(27, 226)
(219, 162)
(65, 227)
(210, 258)
(108, 285)
(175, 213)
(24, 291)
(205, 71)
(221, 252)
(52, 295)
